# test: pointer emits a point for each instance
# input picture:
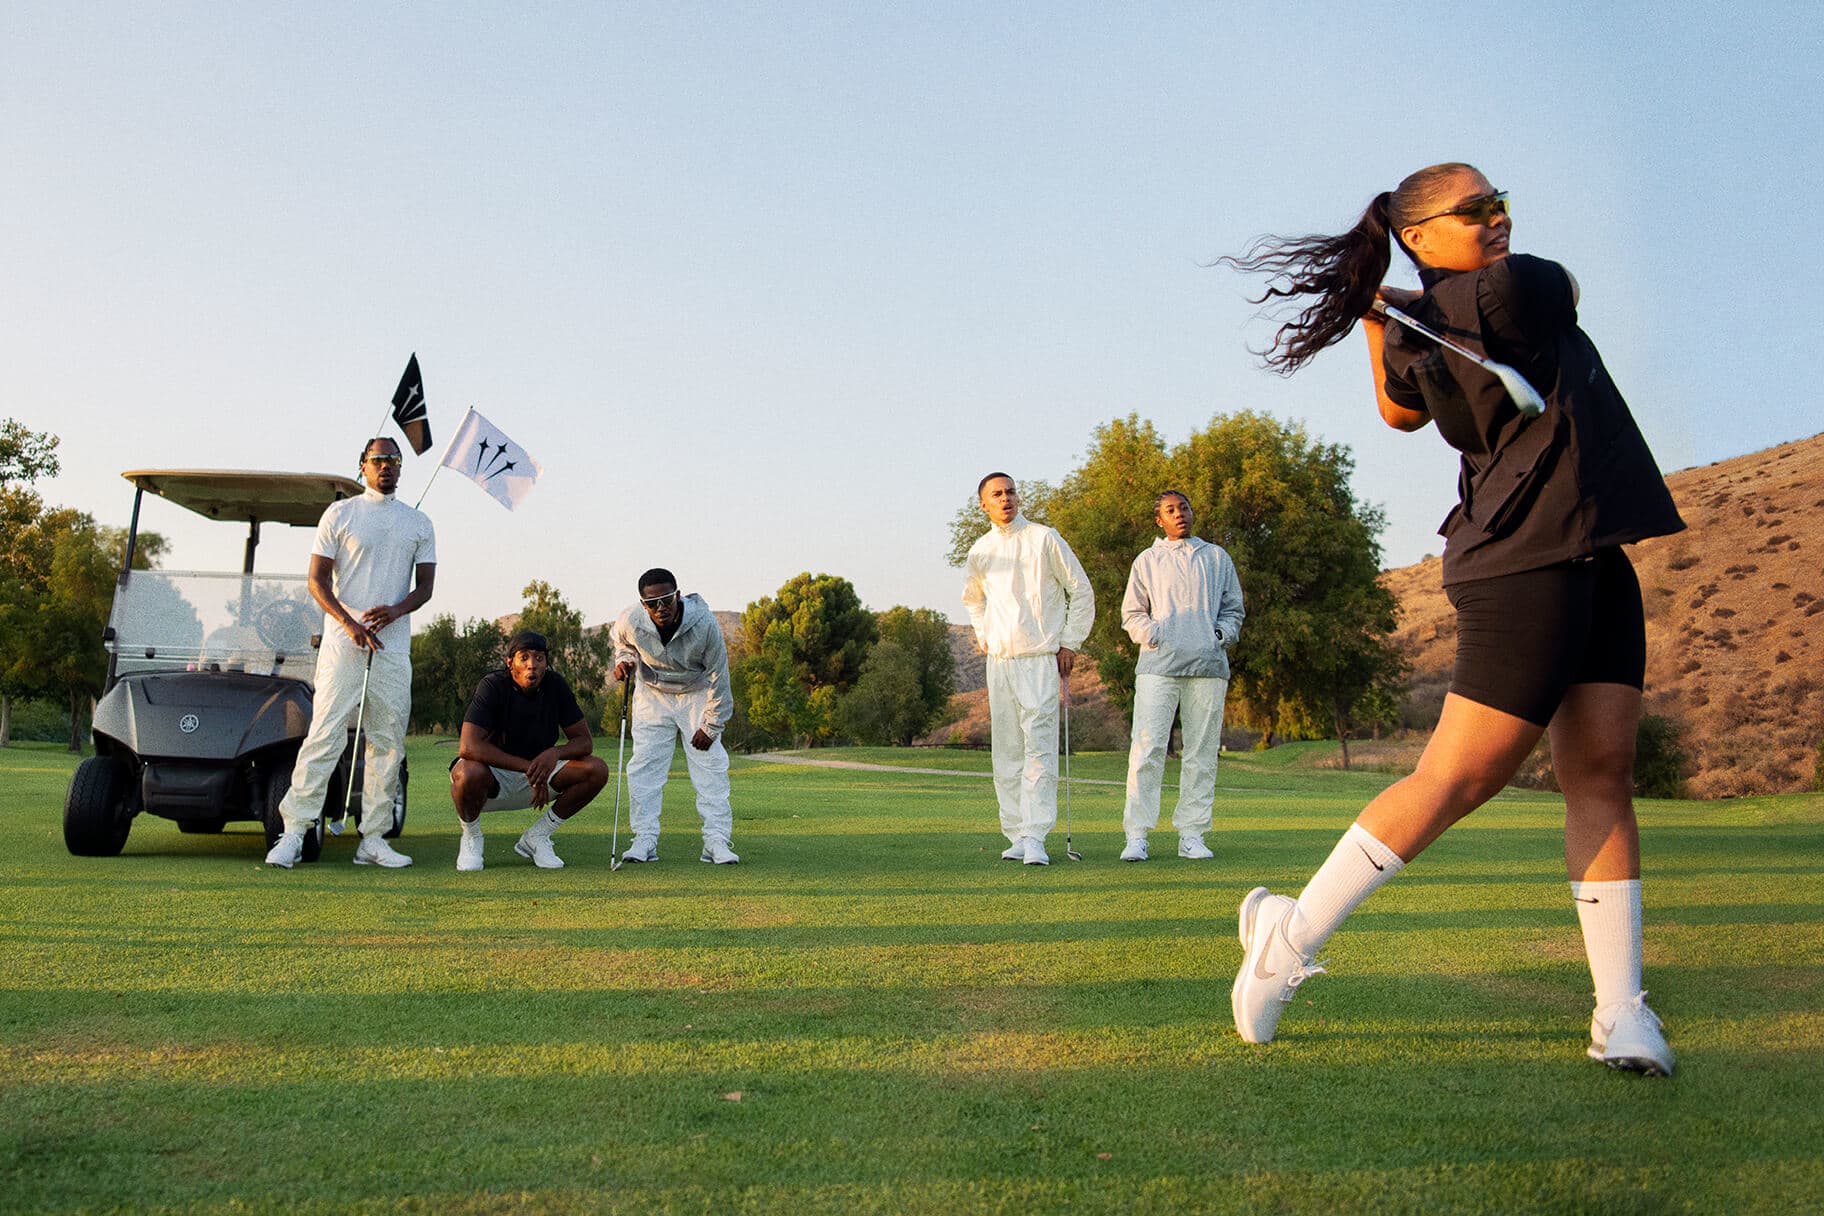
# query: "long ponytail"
(1341, 271)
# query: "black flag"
(408, 408)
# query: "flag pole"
(448, 448)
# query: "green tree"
(65, 633)
(584, 657)
(906, 680)
(25, 558)
(812, 640)
(447, 662)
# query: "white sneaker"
(1192, 848)
(643, 848)
(374, 851)
(1015, 851)
(1035, 852)
(1626, 1035)
(287, 850)
(1271, 970)
(538, 850)
(1135, 850)
(718, 853)
(468, 852)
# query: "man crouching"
(506, 760)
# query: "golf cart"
(208, 695)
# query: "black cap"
(527, 639)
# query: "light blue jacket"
(1183, 608)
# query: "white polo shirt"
(377, 543)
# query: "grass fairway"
(873, 1014)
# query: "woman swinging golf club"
(1550, 634)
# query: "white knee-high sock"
(471, 827)
(1355, 870)
(1610, 915)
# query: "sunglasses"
(1476, 210)
(659, 601)
(384, 461)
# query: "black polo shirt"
(523, 723)
(1531, 492)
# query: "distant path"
(778, 758)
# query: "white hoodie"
(695, 658)
(1026, 591)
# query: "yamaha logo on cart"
(188, 724)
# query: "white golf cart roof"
(248, 495)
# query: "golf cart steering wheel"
(283, 625)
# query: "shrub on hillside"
(1660, 758)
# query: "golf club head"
(335, 825)
(616, 864)
(1072, 853)
(1525, 397)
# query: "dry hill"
(1734, 607)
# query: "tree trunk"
(1342, 736)
(6, 720)
(75, 722)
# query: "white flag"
(483, 454)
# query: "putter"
(348, 793)
(620, 765)
(1525, 397)
(1068, 851)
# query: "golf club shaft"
(354, 755)
(1066, 683)
(620, 767)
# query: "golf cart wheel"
(201, 827)
(95, 816)
(405, 781)
(277, 785)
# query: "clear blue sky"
(767, 287)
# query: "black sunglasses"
(1476, 210)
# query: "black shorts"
(1524, 639)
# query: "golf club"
(620, 765)
(354, 755)
(1525, 397)
(1068, 851)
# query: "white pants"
(1199, 699)
(659, 720)
(340, 667)
(1023, 717)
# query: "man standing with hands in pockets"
(1031, 605)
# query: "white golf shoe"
(1035, 852)
(643, 848)
(718, 853)
(1192, 848)
(1626, 1035)
(287, 850)
(468, 852)
(1135, 850)
(374, 851)
(1015, 851)
(1271, 970)
(538, 850)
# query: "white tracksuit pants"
(1023, 719)
(660, 719)
(340, 667)
(1199, 699)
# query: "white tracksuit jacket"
(680, 687)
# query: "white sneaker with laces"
(1192, 848)
(287, 850)
(643, 848)
(1035, 852)
(538, 850)
(1015, 851)
(718, 853)
(374, 851)
(1135, 850)
(1271, 970)
(468, 852)
(1626, 1035)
